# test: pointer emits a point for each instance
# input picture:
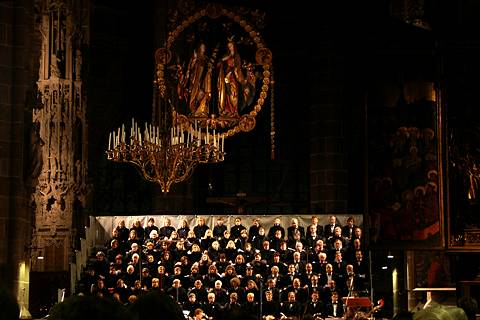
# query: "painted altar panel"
(404, 176)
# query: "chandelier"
(166, 153)
(203, 94)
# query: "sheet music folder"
(357, 302)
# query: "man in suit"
(273, 289)
(347, 230)
(314, 285)
(361, 268)
(312, 236)
(298, 262)
(327, 276)
(318, 227)
(301, 293)
(314, 306)
(352, 249)
(307, 273)
(336, 247)
(291, 308)
(271, 307)
(329, 228)
(354, 284)
(294, 228)
(290, 276)
(335, 307)
(339, 264)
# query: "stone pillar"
(61, 138)
(411, 280)
(328, 168)
(16, 78)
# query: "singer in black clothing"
(291, 307)
(270, 307)
(334, 308)
(314, 306)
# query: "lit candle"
(207, 137)
(109, 141)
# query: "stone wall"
(17, 49)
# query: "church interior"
(254, 113)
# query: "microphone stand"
(140, 262)
(260, 309)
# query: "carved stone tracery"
(62, 128)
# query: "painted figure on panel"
(195, 85)
(235, 89)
